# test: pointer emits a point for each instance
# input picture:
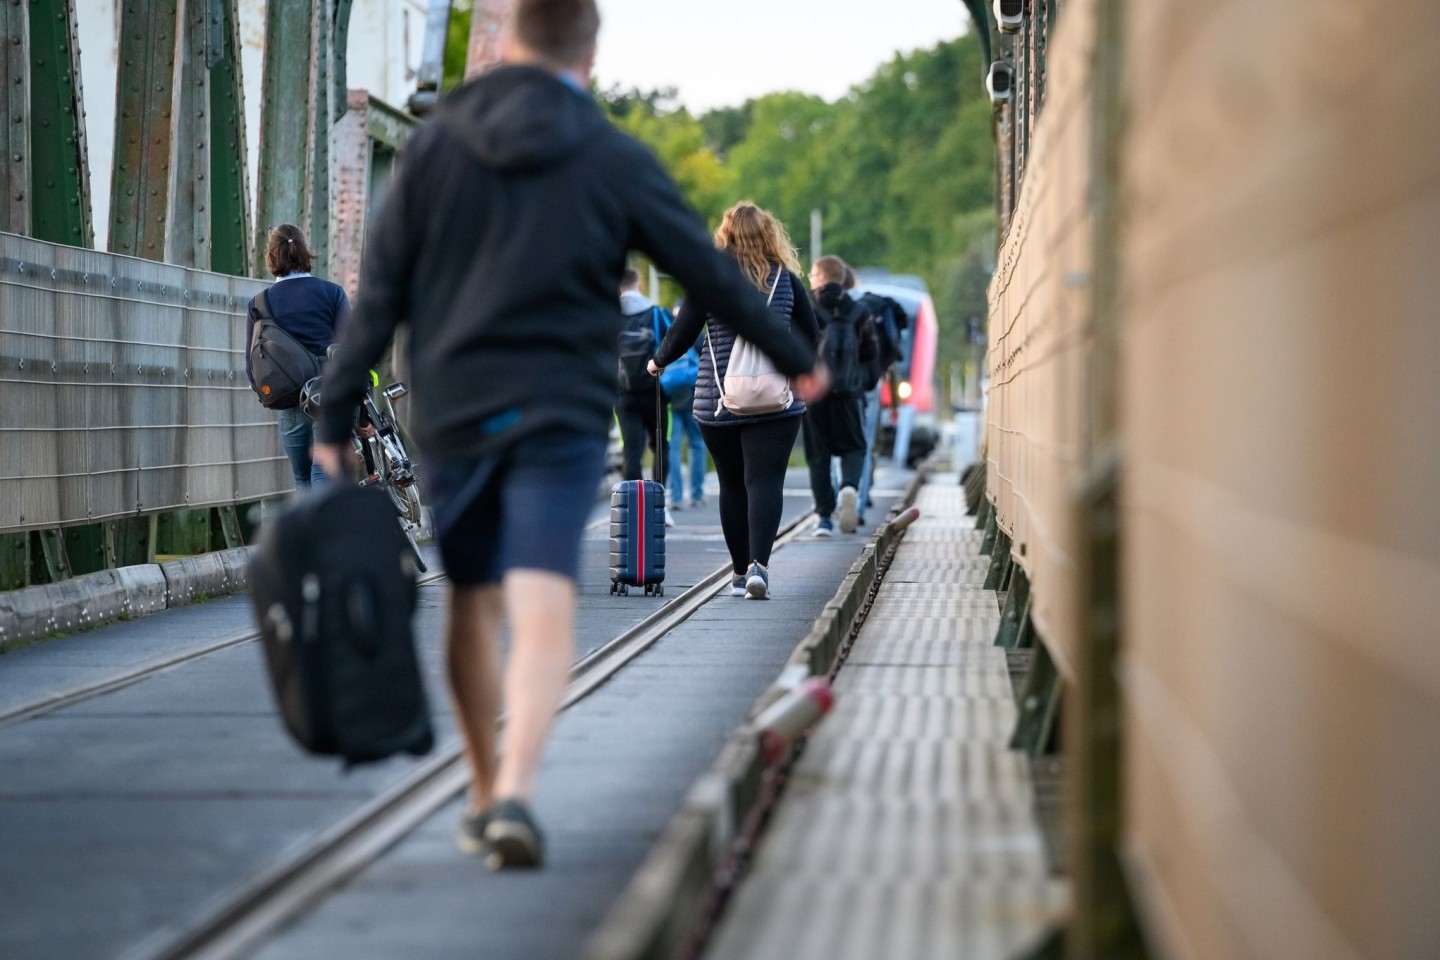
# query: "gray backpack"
(279, 364)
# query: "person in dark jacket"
(751, 453)
(501, 246)
(310, 310)
(834, 426)
(641, 424)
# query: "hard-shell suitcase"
(637, 529)
(637, 537)
(332, 580)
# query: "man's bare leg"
(541, 606)
(473, 661)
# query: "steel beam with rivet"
(144, 131)
(60, 170)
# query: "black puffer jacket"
(501, 245)
(790, 304)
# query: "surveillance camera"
(999, 81)
(1009, 15)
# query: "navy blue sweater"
(308, 308)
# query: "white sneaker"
(669, 520)
(849, 510)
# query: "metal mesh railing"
(123, 390)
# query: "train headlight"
(905, 390)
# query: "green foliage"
(902, 169)
(727, 126)
(679, 140)
(457, 43)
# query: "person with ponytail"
(751, 451)
(309, 309)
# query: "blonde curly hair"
(755, 238)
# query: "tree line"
(902, 168)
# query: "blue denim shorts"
(520, 508)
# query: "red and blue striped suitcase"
(637, 528)
(637, 537)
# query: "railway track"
(235, 923)
(88, 691)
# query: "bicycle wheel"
(400, 481)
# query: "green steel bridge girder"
(303, 55)
(229, 193)
(15, 119)
(60, 171)
(140, 184)
(188, 234)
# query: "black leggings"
(750, 460)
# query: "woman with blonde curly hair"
(751, 452)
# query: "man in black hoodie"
(833, 426)
(501, 245)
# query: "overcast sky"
(722, 53)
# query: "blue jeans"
(683, 427)
(296, 435)
(870, 420)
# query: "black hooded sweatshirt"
(501, 245)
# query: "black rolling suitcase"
(333, 584)
(637, 528)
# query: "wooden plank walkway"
(907, 831)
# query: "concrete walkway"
(907, 829)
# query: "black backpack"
(888, 319)
(890, 323)
(639, 339)
(279, 364)
(846, 344)
(332, 581)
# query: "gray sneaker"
(849, 509)
(470, 838)
(512, 837)
(737, 586)
(757, 584)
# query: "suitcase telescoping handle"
(659, 428)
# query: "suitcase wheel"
(659, 590)
(624, 590)
(614, 588)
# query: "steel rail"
(234, 924)
(86, 691)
